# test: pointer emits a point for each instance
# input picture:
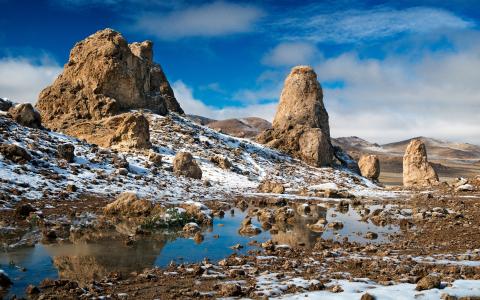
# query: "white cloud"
(190, 105)
(377, 23)
(290, 53)
(387, 100)
(22, 80)
(211, 19)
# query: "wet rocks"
(221, 161)
(300, 126)
(428, 282)
(24, 114)
(105, 76)
(198, 211)
(191, 228)
(66, 152)
(247, 228)
(369, 166)
(128, 204)
(268, 186)
(15, 153)
(417, 171)
(185, 165)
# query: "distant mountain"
(244, 128)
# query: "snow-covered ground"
(95, 171)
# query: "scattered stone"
(428, 282)
(66, 152)
(367, 296)
(155, 158)
(24, 114)
(267, 186)
(221, 161)
(15, 153)
(369, 166)
(185, 165)
(122, 171)
(300, 126)
(230, 290)
(417, 171)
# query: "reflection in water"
(97, 254)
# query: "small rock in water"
(371, 235)
(198, 238)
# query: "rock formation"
(5, 104)
(300, 126)
(185, 165)
(26, 115)
(66, 152)
(105, 77)
(417, 171)
(369, 166)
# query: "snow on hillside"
(96, 170)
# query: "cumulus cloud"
(397, 98)
(22, 79)
(290, 53)
(207, 20)
(191, 105)
(356, 25)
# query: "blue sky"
(390, 69)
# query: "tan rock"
(105, 76)
(300, 127)
(128, 204)
(417, 171)
(268, 186)
(369, 166)
(221, 161)
(185, 165)
(428, 282)
(24, 114)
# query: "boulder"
(185, 165)
(268, 186)
(128, 204)
(66, 152)
(221, 161)
(5, 104)
(428, 282)
(300, 127)
(15, 153)
(125, 131)
(24, 114)
(105, 76)
(369, 166)
(417, 171)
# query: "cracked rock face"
(105, 77)
(417, 171)
(300, 127)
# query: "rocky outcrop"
(417, 171)
(124, 131)
(105, 77)
(300, 127)
(5, 104)
(24, 114)
(185, 165)
(369, 166)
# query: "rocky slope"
(108, 172)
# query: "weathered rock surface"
(300, 126)
(417, 171)
(127, 130)
(26, 115)
(15, 153)
(105, 77)
(66, 151)
(185, 165)
(268, 186)
(369, 166)
(128, 204)
(428, 282)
